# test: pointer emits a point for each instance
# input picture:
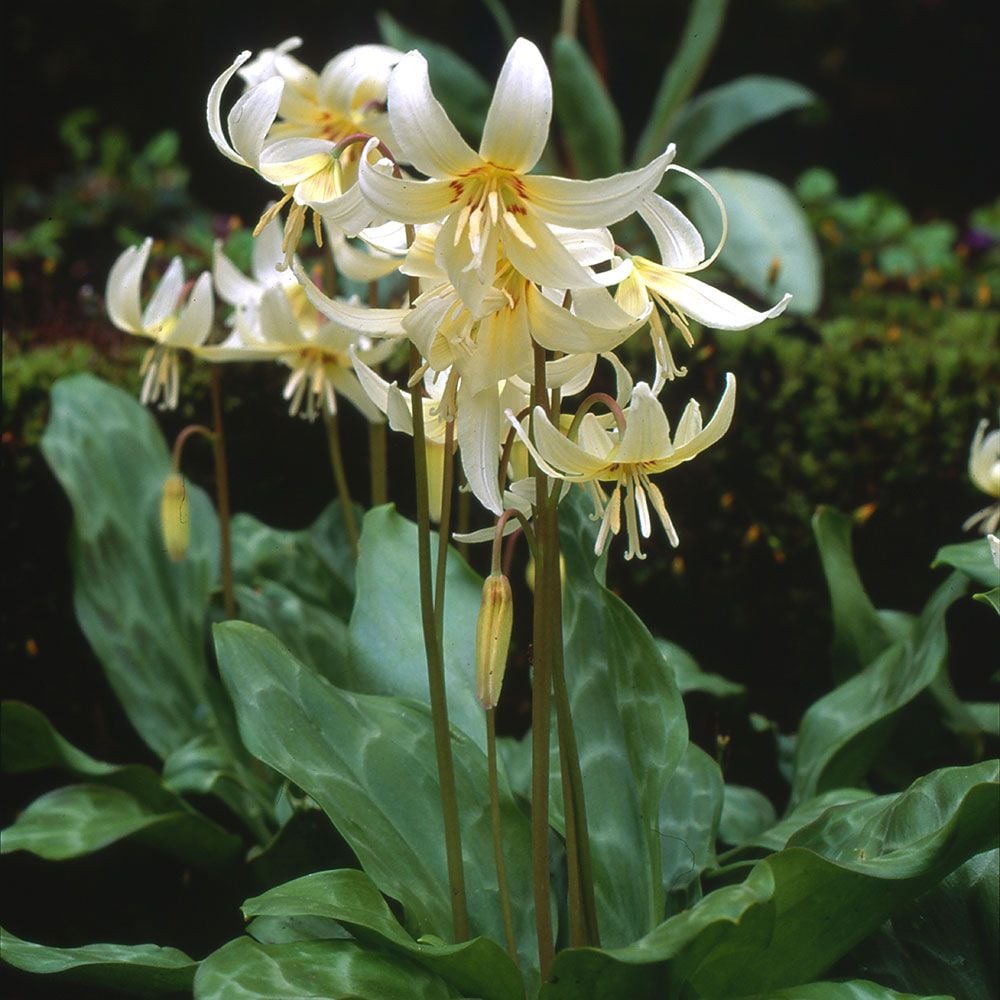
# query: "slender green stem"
(495, 820)
(340, 477)
(464, 520)
(377, 460)
(444, 526)
(222, 495)
(541, 705)
(435, 675)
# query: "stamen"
(517, 230)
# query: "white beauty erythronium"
(277, 319)
(984, 471)
(627, 458)
(289, 127)
(487, 201)
(670, 285)
(165, 320)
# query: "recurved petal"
(479, 443)
(346, 384)
(517, 123)
(557, 329)
(503, 348)
(349, 213)
(679, 242)
(251, 117)
(712, 432)
(425, 134)
(566, 457)
(647, 431)
(164, 300)
(124, 284)
(359, 320)
(214, 111)
(599, 202)
(400, 198)
(357, 76)
(289, 161)
(231, 283)
(195, 321)
(544, 260)
(355, 263)
(267, 255)
(704, 303)
(278, 324)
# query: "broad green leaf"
(859, 634)
(138, 970)
(316, 636)
(974, 559)
(746, 813)
(948, 942)
(771, 247)
(316, 564)
(706, 123)
(803, 908)
(386, 635)
(281, 930)
(80, 819)
(704, 22)
(143, 615)
(776, 837)
(855, 989)
(689, 821)
(990, 597)
(458, 85)
(986, 715)
(476, 968)
(588, 118)
(28, 742)
(843, 733)
(369, 762)
(244, 969)
(631, 730)
(690, 677)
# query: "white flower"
(984, 471)
(489, 203)
(627, 456)
(165, 320)
(670, 285)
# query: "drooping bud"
(496, 618)
(174, 521)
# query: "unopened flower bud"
(174, 522)
(496, 618)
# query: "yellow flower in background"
(168, 320)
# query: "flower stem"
(222, 495)
(378, 464)
(435, 675)
(491, 760)
(541, 704)
(340, 477)
(444, 526)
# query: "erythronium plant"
(367, 669)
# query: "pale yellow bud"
(496, 618)
(174, 522)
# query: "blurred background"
(867, 400)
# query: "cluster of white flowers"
(507, 264)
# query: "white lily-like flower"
(670, 286)
(165, 320)
(275, 318)
(984, 471)
(289, 127)
(489, 205)
(626, 457)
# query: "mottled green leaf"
(587, 116)
(475, 968)
(80, 819)
(143, 615)
(458, 85)
(844, 732)
(707, 122)
(803, 908)
(770, 247)
(690, 677)
(855, 989)
(631, 730)
(369, 762)
(138, 970)
(746, 813)
(386, 634)
(704, 22)
(990, 597)
(245, 969)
